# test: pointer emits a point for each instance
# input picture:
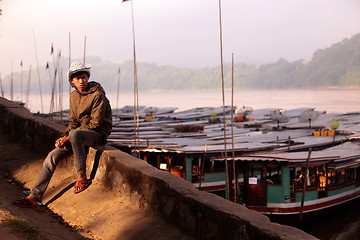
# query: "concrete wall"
(201, 214)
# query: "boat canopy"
(347, 164)
(341, 156)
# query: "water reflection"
(342, 224)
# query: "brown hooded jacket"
(90, 110)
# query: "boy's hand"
(61, 142)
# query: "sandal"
(81, 185)
(25, 203)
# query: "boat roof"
(344, 155)
(258, 135)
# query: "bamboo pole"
(69, 49)
(53, 83)
(232, 129)
(223, 104)
(202, 166)
(21, 81)
(1, 87)
(59, 87)
(136, 90)
(304, 186)
(12, 83)
(69, 60)
(84, 50)
(52, 101)
(118, 91)
(28, 88)
(38, 73)
(61, 91)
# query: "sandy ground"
(93, 214)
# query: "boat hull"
(289, 213)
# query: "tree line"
(336, 66)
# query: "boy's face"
(80, 82)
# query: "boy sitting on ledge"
(90, 123)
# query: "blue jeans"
(79, 140)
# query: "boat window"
(273, 174)
(207, 166)
(311, 179)
(357, 175)
(201, 168)
(217, 166)
(214, 166)
(321, 176)
(151, 159)
(332, 179)
(341, 177)
(163, 163)
(196, 166)
(345, 176)
(177, 163)
(298, 179)
(309, 176)
(352, 174)
(256, 171)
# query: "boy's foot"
(26, 202)
(81, 185)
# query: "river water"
(331, 100)
(342, 225)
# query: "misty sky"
(174, 32)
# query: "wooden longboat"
(287, 185)
(270, 178)
(193, 162)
